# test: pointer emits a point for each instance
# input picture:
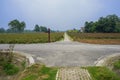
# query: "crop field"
(29, 37)
(96, 38)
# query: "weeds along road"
(66, 52)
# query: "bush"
(10, 69)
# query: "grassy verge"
(6, 64)
(102, 73)
(38, 72)
(11, 66)
(96, 38)
(117, 64)
(116, 67)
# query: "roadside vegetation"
(14, 67)
(29, 37)
(102, 73)
(6, 65)
(6, 62)
(38, 72)
(116, 67)
(10, 64)
(117, 64)
(96, 38)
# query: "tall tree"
(22, 26)
(37, 28)
(16, 26)
(90, 26)
(2, 30)
(43, 29)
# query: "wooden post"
(49, 35)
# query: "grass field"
(29, 37)
(96, 38)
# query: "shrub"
(10, 69)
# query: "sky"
(56, 14)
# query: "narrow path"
(66, 37)
(73, 74)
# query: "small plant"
(10, 69)
(11, 47)
(23, 64)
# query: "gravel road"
(66, 52)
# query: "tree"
(108, 24)
(16, 26)
(37, 28)
(90, 26)
(117, 27)
(43, 29)
(2, 30)
(22, 26)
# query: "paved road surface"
(66, 53)
(75, 73)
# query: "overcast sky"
(56, 14)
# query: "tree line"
(108, 24)
(15, 26)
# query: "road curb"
(29, 57)
(107, 60)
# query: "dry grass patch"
(96, 38)
(100, 41)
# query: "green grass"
(29, 37)
(39, 72)
(117, 65)
(102, 73)
(10, 69)
(30, 77)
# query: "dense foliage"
(108, 24)
(38, 28)
(16, 26)
(29, 37)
